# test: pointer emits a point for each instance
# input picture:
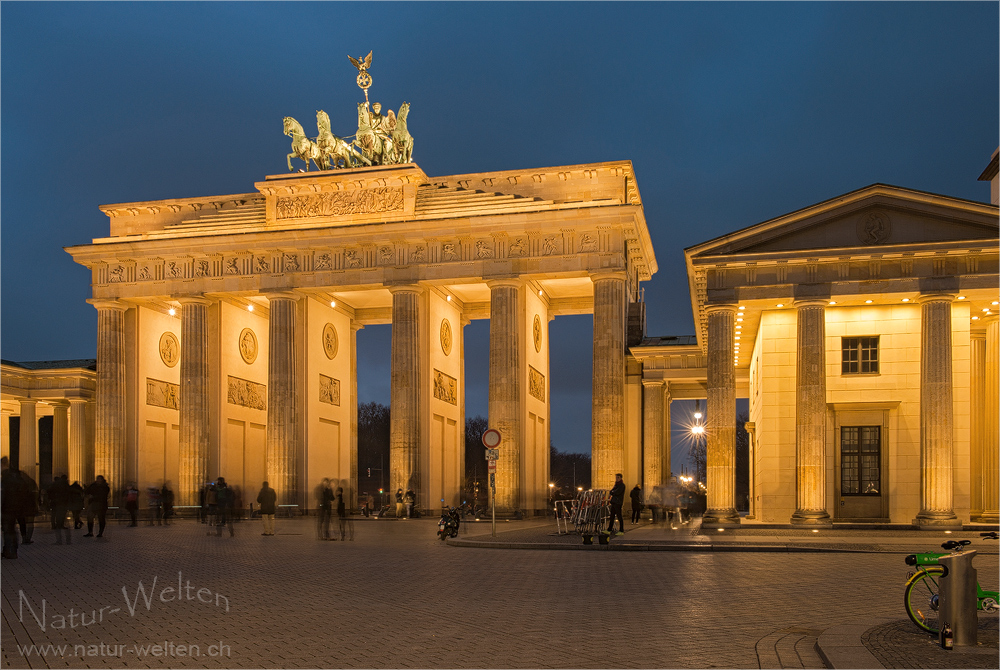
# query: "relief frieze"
(357, 201)
(536, 384)
(445, 387)
(329, 390)
(246, 393)
(162, 394)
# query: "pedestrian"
(203, 504)
(674, 500)
(59, 505)
(167, 498)
(211, 506)
(399, 503)
(11, 497)
(342, 516)
(636, 496)
(155, 506)
(409, 498)
(617, 500)
(224, 507)
(76, 504)
(325, 510)
(267, 499)
(28, 509)
(96, 496)
(132, 505)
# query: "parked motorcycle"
(448, 525)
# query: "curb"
(703, 547)
(841, 646)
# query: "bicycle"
(921, 596)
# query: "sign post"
(491, 440)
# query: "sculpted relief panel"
(536, 384)
(248, 346)
(246, 393)
(445, 387)
(329, 390)
(358, 201)
(170, 349)
(162, 394)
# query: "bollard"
(958, 599)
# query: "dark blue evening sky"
(732, 113)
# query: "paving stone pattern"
(397, 597)
(900, 644)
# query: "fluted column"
(60, 439)
(608, 415)
(404, 391)
(991, 426)
(27, 454)
(282, 399)
(977, 407)
(78, 442)
(937, 424)
(5, 433)
(353, 392)
(656, 425)
(810, 415)
(194, 398)
(505, 389)
(720, 420)
(109, 429)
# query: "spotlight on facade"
(868, 302)
(172, 311)
(995, 302)
(781, 304)
(961, 297)
(833, 302)
(249, 308)
(539, 291)
(697, 415)
(975, 318)
(906, 300)
(333, 303)
(448, 298)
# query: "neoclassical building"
(227, 325)
(863, 330)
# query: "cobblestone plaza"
(397, 597)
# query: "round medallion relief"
(248, 346)
(170, 349)
(445, 337)
(874, 228)
(330, 343)
(536, 332)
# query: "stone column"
(282, 400)
(977, 419)
(353, 395)
(991, 426)
(505, 389)
(194, 399)
(60, 439)
(656, 424)
(27, 455)
(720, 420)
(937, 424)
(404, 391)
(810, 415)
(5, 433)
(109, 429)
(608, 414)
(78, 442)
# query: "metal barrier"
(564, 510)
(591, 513)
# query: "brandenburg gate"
(227, 324)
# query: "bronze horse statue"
(335, 151)
(302, 147)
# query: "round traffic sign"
(491, 438)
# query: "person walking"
(224, 507)
(76, 504)
(28, 509)
(617, 500)
(167, 498)
(132, 505)
(267, 499)
(58, 505)
(97, 492)
(636, 496)
(675, 500)
(155, 506)
(410, 499)
(342, 516)
(399, 503)
(11, 497)
(325, 510)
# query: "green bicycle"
(922, 587)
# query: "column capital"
(513, 282)
(281, 295)
(108, 303)
(193, 299)
(608, 274)
(27, 401)
(58, 403)
(712, 308)
(652, 383)
(810, 302)
(355, 326)
(935, 297)
(405, 288)
(77, 401)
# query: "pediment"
(874, 217)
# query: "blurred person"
(76, 504)
(236, 509)
(325, 510)
(155, 505)
(167, 498)
(674, 498)
(410, 498)
(96, 494)
(11, 496)
(342, 516)
(617, 500)
(211, 506)
(58, 505)
(636, 496)
(132, 505)
(28, 509)
(267, 499)
(224, 507)
(399, 503)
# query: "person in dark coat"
(132, 504)
(224, 507)
(325, 510)
(636, 496)
(28, 509)
(59, 504)
(268, 500)
(167, 499)
(76, 504)
(97, 492)
(617, 500)
(399, 503)
(12, 493)
(342, 516)
(410, 499)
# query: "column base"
(720, 518)
(811, 518)
(986, 517)
(932, 521)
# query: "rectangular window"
(859, 355)
(860, 460)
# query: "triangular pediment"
(876, 216)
